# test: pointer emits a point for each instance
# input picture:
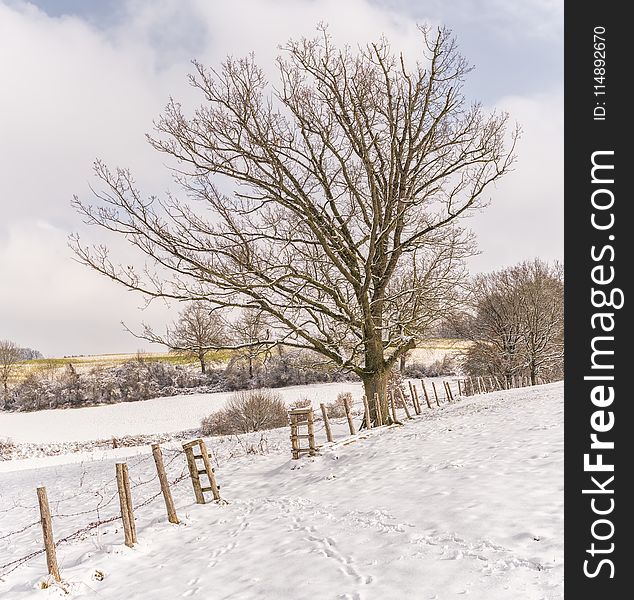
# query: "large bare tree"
(331, 201)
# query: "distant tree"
(196, 332)
(252, 334)
(30, 354)
(517, 322)
(334, 196)
(10, 356)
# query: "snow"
(159, 415)
(462, 501)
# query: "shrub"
(247, 411)
(337, 408)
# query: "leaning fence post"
(165, 486)
(422, 382)
(392, 405)
(47, 534)
(433, 385)
(407, 413)
(123, 503)
(346, 405)
(411, 393)
(366, 409)
(324, 413)
(379, 414)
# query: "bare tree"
(10, 356)
(197, 331)
(350, 173)
(251, 331)
(517, 328)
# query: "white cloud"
(72, 92)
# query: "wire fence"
(399, 395)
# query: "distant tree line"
(144, 378)
(515, 322)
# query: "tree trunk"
(403, 360)
(201, 358)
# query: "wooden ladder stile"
(195, 472)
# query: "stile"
(47, 534)
(211, 475)
(193, 473)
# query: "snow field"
(466, 500)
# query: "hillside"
(466, 500)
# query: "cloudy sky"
(84, 79)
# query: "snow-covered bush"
(247, 411)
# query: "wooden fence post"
(379, 415)
(47, 534)
(123, 503)
(324, 413)
(422, 383)
(165, 486)
(349, 416)
(417, 407)
(472, 386)
(459, 389)
(411, 393)
(451, 398)
(497, 382)
(366, 411)
(393, 406)
(407, 413)
(433, 385)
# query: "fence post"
(324, 413)
(379, 414)
(407, 413)
(349, 416)
(47, 534)
(165, 486)
(422, 382)
(433, 385)
(459, 388)
(393, 406)
(366, 412)
(447, 391)
(417, 400)
(123, 503)
(413, 397)
(497, 383)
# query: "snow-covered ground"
(463, 501)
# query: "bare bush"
(247, 411)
